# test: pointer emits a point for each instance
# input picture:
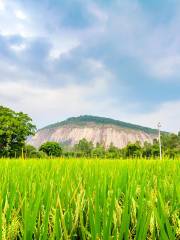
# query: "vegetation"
(16, 127)
(84, 147)
(170, 148)
(92, 198)
(83, 120)
(51, 149)
(85, 199)
(32, 152)
(14, 130)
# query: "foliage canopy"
(51, 149)
(15, 127)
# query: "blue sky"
(118, 59)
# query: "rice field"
(89, 199)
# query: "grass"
(89, 199)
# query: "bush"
(41, 154)
(51, 149)
(29, 151)
(32, 152)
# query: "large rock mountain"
(95, 129)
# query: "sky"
(117, 59)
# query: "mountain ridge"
(95, 129)
(84, 119)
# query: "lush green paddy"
(89, 199)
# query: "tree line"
(16, 127)
(170, 146)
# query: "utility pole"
(160, 147)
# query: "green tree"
(98, 151)
(147, 150)
(51, 149)
(133, 150)
(40, 154)
(84, 147)
(29, 151)
(171, 144)
(155, 148)
(112, 152)
(15, 127)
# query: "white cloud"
(62, 45)
(94, 64)
(12, 25)
(2, 5)
(167, 66)
(47, 105)
(20, 14)
(154, 45)
(18, 47)
(125, 29)
(168, 113)
(17, 21)
(101, 15)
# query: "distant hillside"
(95, 129)
(83, 120)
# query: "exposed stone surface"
(70, 134)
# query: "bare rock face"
(71, 133)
